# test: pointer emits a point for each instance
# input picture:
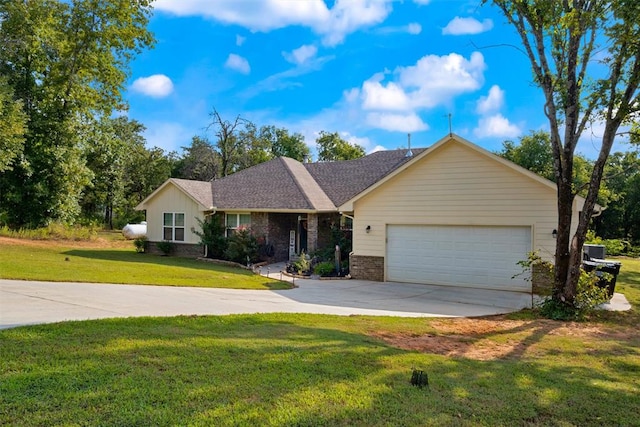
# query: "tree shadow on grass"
(283, 370)
(118, 256)
(139, 258)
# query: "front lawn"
(117, 262)
(308, 370)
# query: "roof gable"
(450, 139)
(198, 191)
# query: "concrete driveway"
(26, 302)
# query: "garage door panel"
(477, 256)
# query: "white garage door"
(474, 256)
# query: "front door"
(302, 235)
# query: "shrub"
(613, 247)
(324, 269)
(140, 243)
(212, 236)
(166, 247)
(588, 296)
(302, 265)
(242, 247)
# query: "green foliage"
(211, 235)
(140, 243)
(331, 148)
(242, 247)
(53, 231)
(111, 146)
(302, 265)
(199, 161)
(613, 247)
(12, 126)
(532, 153)
(621, 219)
(324, 269)
(288, 145)
(166, 247)
(66, 62)
(588, 296)
(563, 42)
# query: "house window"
(235, 221)
(173, 227)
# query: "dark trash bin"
(604, 266)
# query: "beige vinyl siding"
(456, 185)
(171, 199)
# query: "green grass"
(64, 262)
(308, 370)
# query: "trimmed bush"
(324, 269)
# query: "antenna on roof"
(450, 131)
(409, 153)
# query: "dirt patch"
(497, 337)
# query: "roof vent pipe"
(409, 153)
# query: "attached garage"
(454, 215)
(474, 256)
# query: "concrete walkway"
(26, 302)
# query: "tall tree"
(145, 170)
(199, 161)
(66, 61)
(289, 145)
(109, 147)
(331, 148)
(533, 152)
(585, 56)
(621, 219)
(12, 126)
(228, 143)
(256, 145)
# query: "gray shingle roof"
(342, 180)
(199, 190)
(281, 183)
(286, 184)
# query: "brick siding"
(366, 267)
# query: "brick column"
(312, 232)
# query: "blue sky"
(372, 70)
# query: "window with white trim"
(234, 221)
(173, 227)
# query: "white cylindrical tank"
(133, 231)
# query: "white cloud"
(376, 96)
(166, 135)
(496, 126)
(460, 26)
(414, 28)
(433, 80)
(345, 17)
(376, 149)
(300, 55)
(492, 102)
(240, 40)
(237, 63)
(397, 122)
(155, 86)
(364, 142)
